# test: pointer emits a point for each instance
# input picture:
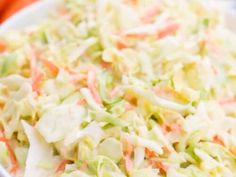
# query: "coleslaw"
(132, 88)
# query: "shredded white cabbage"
(116, 88)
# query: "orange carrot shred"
(51, 66)
(128, 151)
(149, 153)
(218, 140)
(151, 13)
(227, 101)
(168, 29)
(156, 164)
(36, 82)
(128, 163)
(121, 44)
(81, 102)
(3, 46)
(61, 166)
(106, 65)
(12, 155)
(175, 128)
(130, 2)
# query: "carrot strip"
(167, 30)
(156, 164)
(91, 82)
(36, 75)
(51, 66)
(106, 65)
(151, 13)
(138, 35)
(149, 153)
(121, 44)
(61, 166)
(15, 165)
(81, 102)
(36, 82)
(129, 107)
(3, 46)
(130, 2)
(227, 101)
(174, 128)
(78, 78)
(128, 163)
(218, 140)
(233, 150)
(128, 151)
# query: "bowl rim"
(15, 21)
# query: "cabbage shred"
(120, 88)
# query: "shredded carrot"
(129, 107)
(130, 2)
(218, 140)
(36, 75)
(136, 35)
(51, 66)
(3, 46)
(156, 164)
(121, 44)
(78, 78)
(170, 28)
(62, 11)
(142, 32)
(106, 65)
(149, 153)
(160, 91)
(174, 128)
(151, 13)
(36, 82)
(128, 151)
(233, 150)
(61, 166)
(15, 165)
(128, 148)
(131, 99)
(226, 101)
(128, 163)
(91, 82)
(70, 71)
(81, 102)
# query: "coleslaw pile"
(116, 88)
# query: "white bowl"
(30, 15)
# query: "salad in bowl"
(124, 88)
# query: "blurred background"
(9, 7)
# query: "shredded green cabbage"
(116, 88)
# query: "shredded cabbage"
(116, 88)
